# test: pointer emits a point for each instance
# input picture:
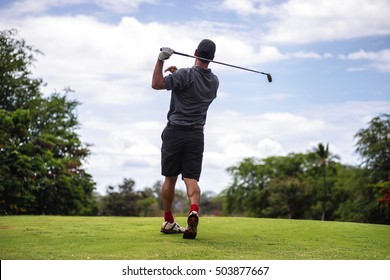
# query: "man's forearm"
(158, 78)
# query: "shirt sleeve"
(177, 80)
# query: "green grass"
(219, 238)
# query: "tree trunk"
(324, 197)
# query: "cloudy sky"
(330, 61)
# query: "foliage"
(373, 145)
(211, 204)
(349, 200)
(382, 190)
(273, 187)
(122, 202)
(41, 155)
(305, 186)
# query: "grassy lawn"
(219, 238)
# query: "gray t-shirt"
(193, 90)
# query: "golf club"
(269, 77)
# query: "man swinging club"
(192, 91)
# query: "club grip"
(162, 48)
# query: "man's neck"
(201, 64)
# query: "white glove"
(165, 54)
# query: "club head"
(269, 77)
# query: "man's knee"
(170, 181)
(190, 182)
(192, 186)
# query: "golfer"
(192, 91)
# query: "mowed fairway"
(219, 238)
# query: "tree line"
(308, 186)
(42, 157)
(125, 200)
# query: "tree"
(373, 145)
(383, 196)
(288, 198)
(41, 155)
(121, 200)
(272, 187)
(247, 194)
(147, 202)
(207, 203)
(352, 199)
(156, 188)
(324, 159)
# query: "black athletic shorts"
(182, 152)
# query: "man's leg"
(193, 192)
(167, 195)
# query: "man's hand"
(171, 69)
(165, 54)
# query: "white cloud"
(269, 147)
(123, 149)
(235, 135)
(304, 21)
(301, 54)
(379, 60)
(246, 7)
(31, 7)
(123, 6)
(101, 61)
(356, 69)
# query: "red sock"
(194, 207)
(168, 216)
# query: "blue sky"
(330, 62)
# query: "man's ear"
(196, 52)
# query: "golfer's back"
(193, 90)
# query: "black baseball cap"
(206, 49)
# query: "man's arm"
(158, 81)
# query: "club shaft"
(222, 63)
